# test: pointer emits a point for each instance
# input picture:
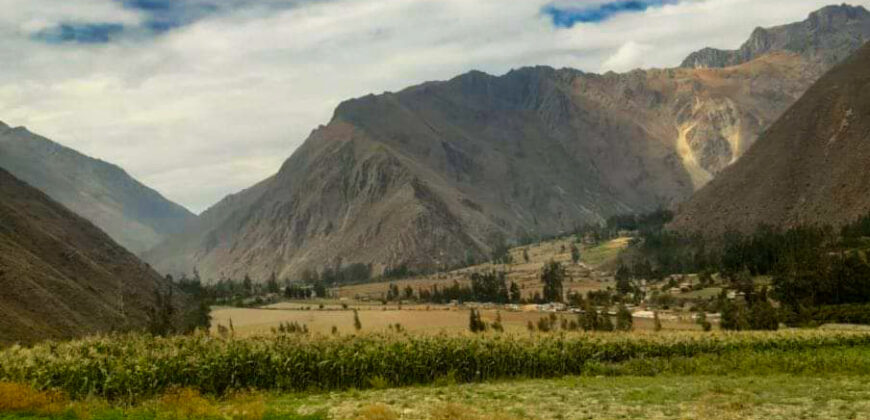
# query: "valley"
(548, 243)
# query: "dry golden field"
(376, 318)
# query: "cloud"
(567, 17)
(156, 18)
(217, 104)
(630, 55)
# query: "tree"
(357, 325)
(734, 317)
(515, 294)
(248, 285)
(475, 323)
(657, 322)
(588, 319)
(624, 286)
(605, 323)
(161, 314)
(762, 316)
(320, 289)
(702, 321)
(409, 293)
(392, 292)
(497, 325)
(624, 321)
(553, 275)
(272, 284)
(575, 253)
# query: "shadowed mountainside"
(131, 213)
(61, 277)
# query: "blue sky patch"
(83, 33)
(567, 17)
(158, 17)
(165, 15)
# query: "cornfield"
(134, 366)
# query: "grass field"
(774, 397)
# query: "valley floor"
(780, 397)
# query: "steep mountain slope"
(826, 37)
(133, 214)
(435, 172)
(62, 277)
(812, 166)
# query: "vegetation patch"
(131, 367)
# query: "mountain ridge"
(135, 215)
(821, 36)
(443, 171)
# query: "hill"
(812, 166)
(62, 277)
(134, 215)
(444, 171)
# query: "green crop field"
(811, 374)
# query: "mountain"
(62, 277)
(811, 167)
(828, 36)
(438, 172)
(133, 214)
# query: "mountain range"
(441, 172)
(134, 215)
(811, 167)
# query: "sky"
(202, 98)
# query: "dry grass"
(22, 398)
(185, 404)
(377, 412)
(417, 319)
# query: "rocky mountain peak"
(827, 36)
(832, 17)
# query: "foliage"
(575, 253)
(552, 276)
(842, 314)
(624, 321)
(357, 325)
(475, 323)
(135, 365)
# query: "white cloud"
(630, 55)
(217, 106)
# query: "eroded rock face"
(434, 173)
(811, 167)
